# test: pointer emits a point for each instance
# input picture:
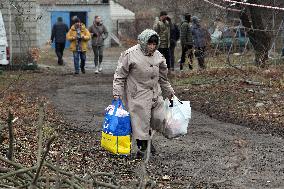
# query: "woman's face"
(151, 47)
(98, 20)
(78, 24)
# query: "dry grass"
(251, 96)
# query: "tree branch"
(98, 183)
(42, 160)
(19, 171)
(39, 132)
(64, 172)
(145, 178)
(10, 154)
(14, 164)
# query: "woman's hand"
(170, 96)
(116, 97)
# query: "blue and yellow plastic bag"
(116, 135)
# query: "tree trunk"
(260, 39)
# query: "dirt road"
(213, 154)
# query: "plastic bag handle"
(178, 99)
(116, 104)
(172, 101)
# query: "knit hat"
(195, 20)
(163, 13)
(187, 17)
(76, 19)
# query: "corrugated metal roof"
(70, 2)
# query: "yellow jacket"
(85, 34)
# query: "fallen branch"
(19, 171)
(4, 170)
(6, 186)
(10, 154)
(144, 178)
(42, 160)
(39, 132)
(73, 184)
(111, 175)
(40, 179)
(64, 172)
(57, 184)
(10, 85)
(256, 83)
(14, 164)
(98, 183)
(14, 181)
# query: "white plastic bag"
(177, 118)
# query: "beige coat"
(140, 80)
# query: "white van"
(4, 49)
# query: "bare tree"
(252, 18)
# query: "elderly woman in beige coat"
(140, 79)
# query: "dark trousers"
(186, 49)
(165, 52)
(172, 57)
(59, 49)
(77, 55)
(282, 52)
(200, 55)
(98, 54)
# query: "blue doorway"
(66, 19)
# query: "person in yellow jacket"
(79, 36)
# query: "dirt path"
(212, 155)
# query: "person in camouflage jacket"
(186, 41)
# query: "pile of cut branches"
(45, 174)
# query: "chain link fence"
(232, 47)
(128, 30)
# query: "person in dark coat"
(162, 27)
(99, 33)
(58, 36)
(199, 35)
(174, 37)
(186, 41)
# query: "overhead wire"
(236, 10)
(254, 5)
(227, 8)
(221, 7)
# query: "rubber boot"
(142, 148)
